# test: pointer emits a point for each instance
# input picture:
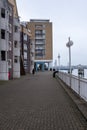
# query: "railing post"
(70, 79)
(79, 84)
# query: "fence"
(78, 84)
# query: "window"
(3, 55)
(2, 34)
(15, 44)
(3, 13)
(15, 59)
(15, 28)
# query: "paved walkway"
(38, 102)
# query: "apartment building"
(16, 40)
(26, 49)
(4, 39)
(9, 40)
(42, 36)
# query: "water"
(75, 72)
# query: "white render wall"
(16, 70)
(3, 70)
(4, 42)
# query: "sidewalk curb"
(80, 103)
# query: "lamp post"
(59, 60)
(69, 44)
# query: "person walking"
(33, 71)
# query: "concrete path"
(38, 102)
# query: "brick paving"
(38, 102)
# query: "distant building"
(42, 37)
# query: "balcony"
(40, 48)
(40, 37)
(4, 23)
(3, 44)
(17, 51)
(17, 36)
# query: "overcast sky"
(69, 18)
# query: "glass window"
(15, 28)
(15, 44)
(2, 34)
(3, 55)
(2, 12)
(15, 59)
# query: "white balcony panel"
(25, 55)
(16, 70)
(3, 66)
(4, 23)
(3, 70)
(17, 36)
(40, 43)
(40, 37)
(16, 22)
(17, 51)
(3, 76)
(3, 44)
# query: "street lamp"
(59, 60)
(69, 44)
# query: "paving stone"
(38, 102)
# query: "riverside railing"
(78, 84)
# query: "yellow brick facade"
(47, 26)
(13, 2)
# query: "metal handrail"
(78, 84)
